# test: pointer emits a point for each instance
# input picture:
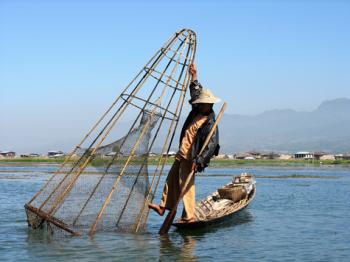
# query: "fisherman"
(193, 134)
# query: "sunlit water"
(291, 219)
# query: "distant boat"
(223, 203)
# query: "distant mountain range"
(327, 128)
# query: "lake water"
(299, 214)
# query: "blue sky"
(63, 62)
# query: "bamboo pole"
(68, 188)
(162, 166)
(179, 105)
(125, 102)
(156, 133)
(113, 159)
(138, 86)
(167, 44)
(93, 227)
(97, 123)
(176, 118)
(104, 134)
(146, 103)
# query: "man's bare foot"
(160, 210)
(186, 220)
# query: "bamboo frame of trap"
(187, 39)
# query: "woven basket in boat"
(232, 192)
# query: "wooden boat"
(223, 203)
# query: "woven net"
(105, 182)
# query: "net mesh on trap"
(105, 182)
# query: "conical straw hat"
(206, 96)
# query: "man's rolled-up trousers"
(172, 188)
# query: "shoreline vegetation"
(215, 163)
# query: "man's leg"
(171, 190)
(189, 198)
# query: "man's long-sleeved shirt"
(189, 136)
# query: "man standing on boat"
(195, 130)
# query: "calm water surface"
(291, 219)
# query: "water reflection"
(178, 249)
(239, 218)
(181, 245)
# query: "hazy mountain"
(326, 128)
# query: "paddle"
(171, 215)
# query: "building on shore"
(310, 155)
(250, 155)
(255, 154)
(240, 156)
(9, 154)
(30, 155)
(327, 157)
(169, 154)
(220, 156)
(319, 154)
(55, 153)
(304, 154)
(345, 156)
(270, 155)
(285, 157)
(224, 156)
(229, 156)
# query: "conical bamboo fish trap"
(104, 183)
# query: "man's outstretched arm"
(195, 86)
